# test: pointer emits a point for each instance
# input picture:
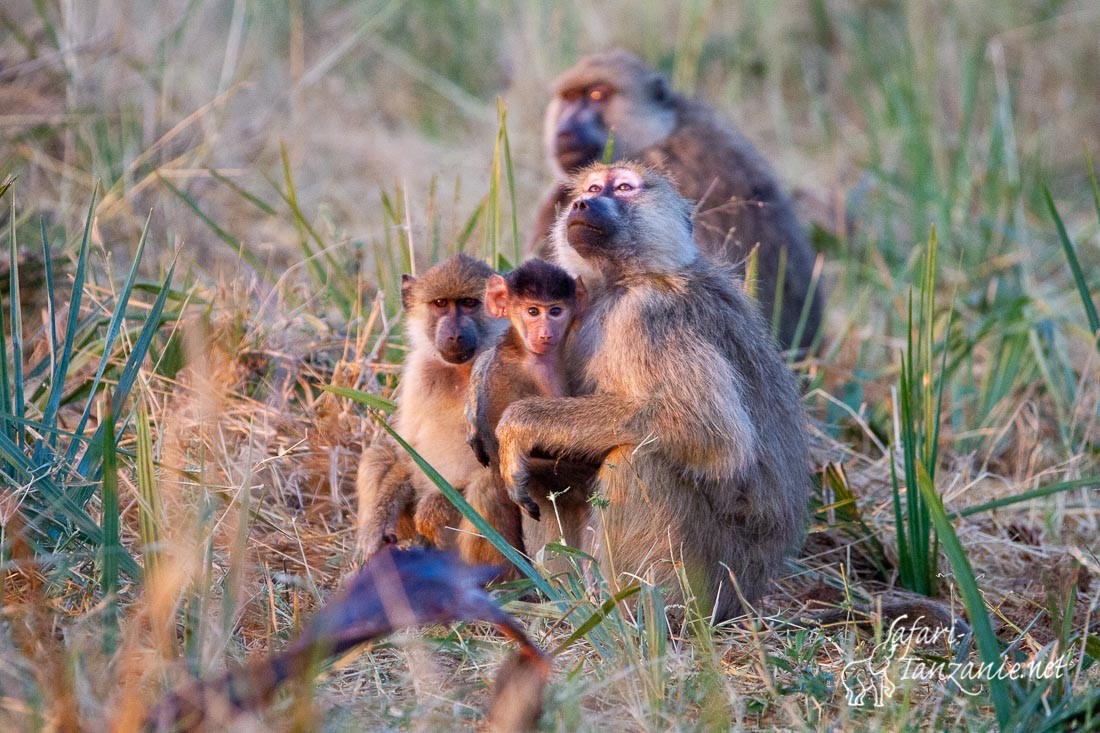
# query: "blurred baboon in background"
(687, 405)
(739, 202)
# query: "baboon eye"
(440, 302)
(555, 311)
(571, 95)
(595, 188)
(599, 93)
(470, 302)
(532, 311)
(624, 187)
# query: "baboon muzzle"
(592, 222)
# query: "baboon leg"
(385, 487)
(487, 496)
(436, 519)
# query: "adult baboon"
(739, 202)
(688, 405)
(447, 328)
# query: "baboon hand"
(518, 494)
(373, 539)
(479, 449)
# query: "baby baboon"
(740, 204)
(695, 418)
(446, 327)
(541, 301)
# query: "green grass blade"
(365, 398)
(51, 301)
(16, 331)
(510, 553)
(57, 381)
(1092, 180)
(111, 546)
(150, 517)
(240, 191)
(113, 329)
(1048, 490)
(517, 252)
(322, 277)
(129, 373)
(597, 618)
(238, 246)
(471, 224)
(989, 648)
(1075, 267)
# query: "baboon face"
(454, 323)
(601, 208)
(626, 217)
(606, 95)
(445, 307)
(540, 300)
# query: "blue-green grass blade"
(18, 401)
(57, 381)
(1075, 268)
(989, 648)
(61, 500)
(113, 329)
(89, 462)
(51, 301)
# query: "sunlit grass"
(297, 161)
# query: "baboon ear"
(582, 297)
(496, 297)
(658, 89)
(407, 282)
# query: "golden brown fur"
(396, 500)
(686, 403)
(513, 369)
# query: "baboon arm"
(585, 428)
(479, 431)
(386, 490)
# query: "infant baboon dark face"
(600, 209)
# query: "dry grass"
(397, 101)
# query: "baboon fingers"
(530, 508)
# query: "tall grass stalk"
(918, 401)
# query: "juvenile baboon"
(739, 202)
(447, 328)
(541, 302)
(687, 404)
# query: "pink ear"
(496, 297)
